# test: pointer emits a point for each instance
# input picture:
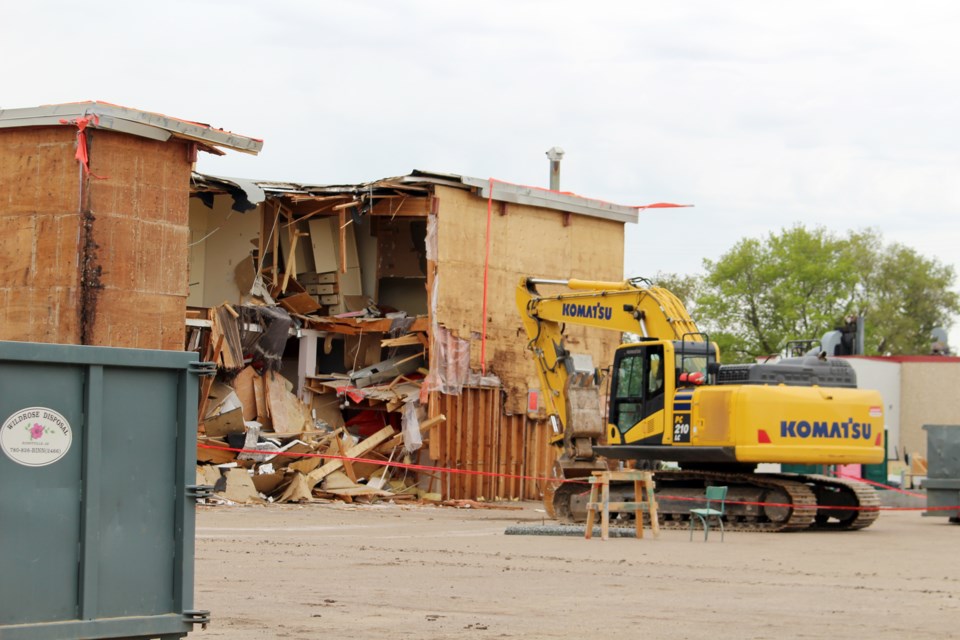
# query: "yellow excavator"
(672, 407)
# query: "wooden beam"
(408, 207)
(347, 464)
(343, 240)
(355, 451)
(291, 259)
(208, 382)
(276, 245)
(425, 426)
(347, 326)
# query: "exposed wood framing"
(479, 437)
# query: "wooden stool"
(642, 480)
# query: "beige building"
(917, 390)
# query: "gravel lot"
(389, 571)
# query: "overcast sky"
(761, 114)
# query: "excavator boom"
(627, 307)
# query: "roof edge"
(146, 124)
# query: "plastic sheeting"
(411, 427)
(451, 366)
(431, 240)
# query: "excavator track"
(772, 503)
(837, 492)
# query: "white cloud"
(761, 113)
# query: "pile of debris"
(311, 369)
(261, 442)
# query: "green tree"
(686, 287)
(800, 283)
(907, 296)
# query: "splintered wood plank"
(260, 398)
(208, 382)
(244, 384)
(286, 412)
(355, 451)
(347, 464)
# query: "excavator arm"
(630, 306)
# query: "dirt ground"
(390, 571)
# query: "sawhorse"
(642, 482)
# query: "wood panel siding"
(525, 241)
(98, 261)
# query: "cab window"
(638, 387)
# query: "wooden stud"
(276, 243)
(208, 382)
(458, 456)
(342, 217)
(482, 427)
(468, 458)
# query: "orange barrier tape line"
(881, 485)
(491, 474)
(387, 463)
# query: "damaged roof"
(145, 124)
(421, 183)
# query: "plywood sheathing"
(527, 241)
(39, 235)
(141, 229)
(126, 234)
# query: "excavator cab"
(638, 385)
(646, 375)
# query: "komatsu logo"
(816, 429)
(597, 311)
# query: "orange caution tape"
(491, 474)
(83, 154)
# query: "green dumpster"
(97, 492)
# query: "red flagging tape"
(491, 474)
(82, 154)
(881, 485)
(387, 463)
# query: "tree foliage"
(800, 283)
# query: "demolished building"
(346, 321)
(386, 284)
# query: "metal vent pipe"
(556, 155)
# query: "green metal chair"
(715, 495)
